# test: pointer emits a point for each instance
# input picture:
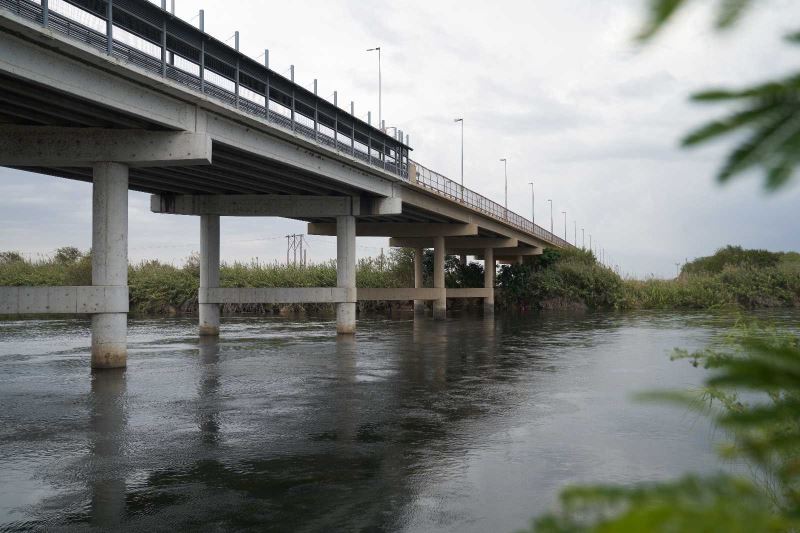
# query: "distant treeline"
(557, 279)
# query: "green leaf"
(731, 11)
(660, 12)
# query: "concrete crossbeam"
(296, 295)
(45, 146)
(274, 205)
(478, 292)
(63, 300)
(399, 294)
(399, 229)
(454, 243)
(499, 252)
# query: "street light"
(533, 205)
(505, 171)
(380, 85)
(461, 120)
(551, 216)
(565, 224)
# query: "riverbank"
(732, 277)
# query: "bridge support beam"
(439, 305)
(488, 281)
(419, 305)
(209, 273)
(110, 260)
(346, 272)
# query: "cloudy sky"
(558, 88)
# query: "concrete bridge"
(125, 95)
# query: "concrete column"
(346, 272)
(419, 305)
(463, 259)
(440, 305)
(110, 260)
(488, 280)
(209, 272)
(518, 260)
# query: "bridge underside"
(95, 108)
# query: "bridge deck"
(152, 48)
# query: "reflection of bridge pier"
(208, 388)
(108, 425)
(217, 134)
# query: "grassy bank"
(157, 288)
(732, 277)
(571, 279)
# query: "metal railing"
(452, 190)
(168, 46)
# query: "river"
(464, 425)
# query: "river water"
(464, 425)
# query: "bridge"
(123, 94)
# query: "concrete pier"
(419, 305)
(209, 273)
(346, 273)
(488, 280)
(440, 304)
(110, 260)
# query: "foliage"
(766, 115)
(732, 256)
(156, 287)
(755, 363)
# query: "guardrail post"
(164, 45)
(353, 135)
(110, 26)
(238, 61)
(291, 70)
(336, 121)
(316, 113)
(266, 91)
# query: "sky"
(560, 89)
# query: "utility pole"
(583, 238)
(565, 224)
(575, 223)
(551, 216)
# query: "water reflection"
(462, 425)
(107, 430)
(207, 390)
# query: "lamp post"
(461, 120)
(583, 239)
(505, 172)
(551, 216)
(565, 224)
(380, 85)
(575, 223)
(533, 205)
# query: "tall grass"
(156, 287)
